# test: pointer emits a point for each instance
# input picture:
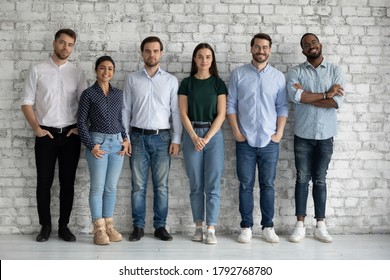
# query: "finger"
(49, 134)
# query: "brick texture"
(355, 35)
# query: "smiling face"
(261, 50)
(311, 47)
(63, 46)
(105, 71)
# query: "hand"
(43, 132)
(297, 86)
(335, 90)
(174, 149)
(96, 152)
(239, 137)
(276, 137)
(125, 148)
(72, 131)
(199, 143)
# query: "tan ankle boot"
(111, 231)
(99, 230)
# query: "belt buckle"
(157, 131)
(60, 130)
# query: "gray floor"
(344, 247)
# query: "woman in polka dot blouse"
(106, 141)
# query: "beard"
(151, 63)
(314, 55)
(61, 55)
(258, 59)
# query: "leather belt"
(201, 124)
(56, 130)
(148, 131)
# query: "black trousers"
(47, 151)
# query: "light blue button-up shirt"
(312, 122)
(258, 99)
(150, 102)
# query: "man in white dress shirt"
(51, 93)
(150, 100)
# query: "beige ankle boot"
(111, 231)
(99, 230)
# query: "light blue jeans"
(104, 174)
(150, 152)
(265, 159)
(204, 170)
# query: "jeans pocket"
(165, 136)
(97, 139)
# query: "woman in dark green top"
(202, 104)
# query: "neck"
(259, 66)
(105, 86)
(315, 62)
(58, 61)
(152, 70)
(202, 74)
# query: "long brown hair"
(213, 68)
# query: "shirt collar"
(266, 68)
(97, 87)
(323, 64)
(53, 63)
(159, 71)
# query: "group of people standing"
(138, 123)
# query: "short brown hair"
(151, 39)
(66, 31)
(261, 36)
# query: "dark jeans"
(312, 159)
(265, 159)
(47, 151)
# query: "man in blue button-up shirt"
(257, 111)
(316, 90)
(149, 102)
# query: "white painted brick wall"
(355, 34)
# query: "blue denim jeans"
(204, 170)
(312, 159)
(150, 152)
(266, 159)
(104, 174)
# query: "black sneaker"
(163, 234)
(137, 234)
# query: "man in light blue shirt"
(316, 90)
(150, 100)
(257, 111)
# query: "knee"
(303, 178)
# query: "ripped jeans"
(312, 159)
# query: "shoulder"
(168, 76)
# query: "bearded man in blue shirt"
(316, 88)
(257, 111)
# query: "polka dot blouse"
(102, 113)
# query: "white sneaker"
(321, 233)
(299, 232)
(269, 235)
(245, 235)
(198, 236)
(210, 237)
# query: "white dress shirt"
(150, 102)
(55, 91)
